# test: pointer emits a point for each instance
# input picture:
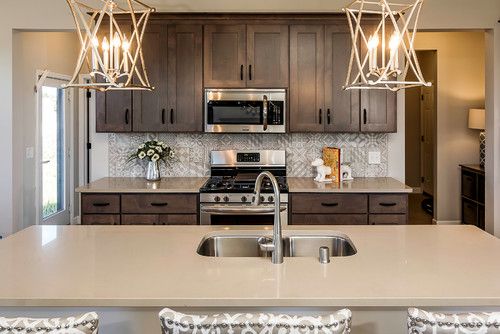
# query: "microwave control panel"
(248, 157)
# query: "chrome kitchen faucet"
(276, 246)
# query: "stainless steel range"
(226, 198)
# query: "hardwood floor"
(417, 215)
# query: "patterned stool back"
(423, 322)
(82, 324)
(254, 323)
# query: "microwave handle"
(265, 110)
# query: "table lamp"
(477, 122)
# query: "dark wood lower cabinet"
(139, 209)
(473, 195)
(349, 209)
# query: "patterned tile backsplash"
(193, 151)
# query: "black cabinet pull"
(100, 205)
(320, 116)
(250, 72)
(328, 113)
(127, 111)
(159, 204)
(241, 72)
(365, 116)
(330, 205)
(387, 204)
(172, 116)
(163, 116)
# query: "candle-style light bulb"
(105, 49)
(394, 47)
(373, 42)
(125, 48)
(116, 52)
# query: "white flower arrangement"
(153, 151)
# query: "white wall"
(460, 87)
(54, 15)
(32, 51)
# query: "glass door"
(54, 153)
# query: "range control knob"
(217, 198)
(244, 199)
(271, 199)
(226, 199)
(262, 199)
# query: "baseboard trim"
(447, 222)
(76, 221)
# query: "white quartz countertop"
(156, 266)
(140, 185)
(358, 185)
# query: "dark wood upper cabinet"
(114, 111)
(342, 106)
(150, 107)
(225, 56)
(173, 54)
(185, 78)
(267, 56)
(307, 78)
(378, 111)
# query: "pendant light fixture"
(110, 53)
(376, 47)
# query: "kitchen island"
(128, 273)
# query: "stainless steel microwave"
(245, 110)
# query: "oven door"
(238, 214)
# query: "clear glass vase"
(153, 171)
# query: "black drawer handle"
(172, 116)
(127, 116)
(330, 205)
(241, 72)
(365, 116)
(163, 116)
(100, 205)
(320, 116)
(329, 116)
(250, 72)
(387, 204)
(159, 204)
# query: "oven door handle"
(250, 210)
(265, 109)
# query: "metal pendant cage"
(118, 62)
(375, 57)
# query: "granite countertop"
(157, 266)
(193, 185)
(358, 185)
(140, 185)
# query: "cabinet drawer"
(469, 189)
(159, 219)
(159, 203)
(329, 219)
(329, 203)
(100, 203)
(389, 204)
(387, 219)
(101, 220)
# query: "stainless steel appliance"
(226, 198)
(245, 110)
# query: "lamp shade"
(477, 119)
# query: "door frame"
(40, 77)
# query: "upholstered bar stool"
(254, 323)
(423, 322)
(87, 323)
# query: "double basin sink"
(295, 245)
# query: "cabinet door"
(225, 56)
(150, 107)
(378, 111)
(267, 56)
(114, 111)
(113, 108)
(342, 106)
(184, 77)
(307, 78)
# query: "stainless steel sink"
(296, 245)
